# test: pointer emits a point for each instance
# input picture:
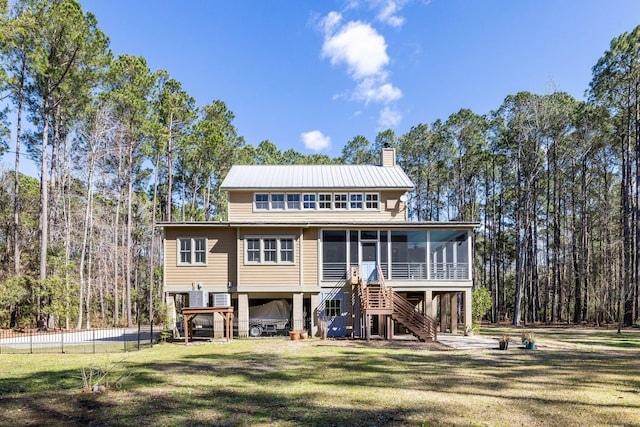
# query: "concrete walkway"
(461, 342)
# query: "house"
(332, 240)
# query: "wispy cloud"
(375, 90)
(389, 118)
(388, 11)
(315, 140)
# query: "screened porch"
(442, 254)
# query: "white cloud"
(330, 22)
(356, 44)
(363, 51)
(315, 140)
(388, 12)
(389, 118)
(372, 90)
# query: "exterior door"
(333, 310)
(369, 261)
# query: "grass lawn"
(575, 377)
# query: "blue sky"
(311, 75)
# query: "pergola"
(189, 312)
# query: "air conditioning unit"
(198, 298)
(222, 300)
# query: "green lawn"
(576, 377)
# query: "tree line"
(553, 182)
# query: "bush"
(480, 304)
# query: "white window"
(269, 250)
(324, 201)
(355, 201)
(340, 201)
(261, 201)
(372, 201)
(286, 250)
(293, 201)
(253, 250)
(277, 201)
(308, 201)
(192, 251)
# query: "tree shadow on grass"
(328, 387)
(206, 406)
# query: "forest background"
(554, 182)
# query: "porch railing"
(409, 270)
(404, 271)
(422, 326)
(449, 271)
(334, 270)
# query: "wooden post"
(298, 318)
(468, 321)
(428, 303)
(453, 306)
(368, 327)
(315, 316)
(443, 313)
(243, 315)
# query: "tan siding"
(240, 205)
(388, 158)
(221, 258)
(269, 275)
(310, 251)
(241, 209)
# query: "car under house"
(335, 242)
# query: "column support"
(298, 317)
(428, 303)
(443, 312)
(453, 298)
(468, 321)
(315, 315)
(390, 324)
(243, 315)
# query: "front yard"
(568, 381)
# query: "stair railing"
(421, 325)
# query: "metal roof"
(300, 177)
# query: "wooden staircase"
(376, 298)
(421, 326)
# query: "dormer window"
(355, 201)
(308, 201)
(293, 201)
(372, 201)
(324, 201)
(277, 201)
(316, 201)
(261, 201)
(340, 201)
